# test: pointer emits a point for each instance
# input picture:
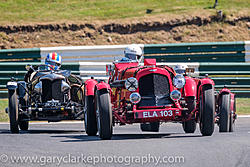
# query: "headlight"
(175, 95)
(179, 81)
(135, 97)
(38, 87)
(131, 84)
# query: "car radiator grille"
(51, 90)
(154, 90)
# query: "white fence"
(101, 53)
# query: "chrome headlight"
(179, 81)
(131, 84)
(175, 95)
(38, 87)
(135, 97)
(64, 86)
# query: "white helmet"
(180, 68)
(133, 52)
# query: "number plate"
(11, 84)
(155, 114)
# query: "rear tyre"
(190, 126)
(150, 127)
(104, 114)
(224, 121)
(13, 111)
(90, 116)
(24, 125)
(207, 110)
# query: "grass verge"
(3, 116)
(26, 11)
(242, 104)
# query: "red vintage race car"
(149, 94)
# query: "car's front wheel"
(13, 111)
(104, 114)
(232, 119)
(207, 110)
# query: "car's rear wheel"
(90, 116)
(24, 125)
(13, 111)
(104, 114)
(224, 119)
(190, 126)
(207, 110)
(150, 127)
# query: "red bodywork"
(126, 112)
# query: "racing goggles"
(180, 71)
(54, 65)
(132, 56)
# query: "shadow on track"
(86, 138)
(5, 131)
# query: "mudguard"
(190, 88)
(225, 90)
(103, 85)
(232, 97)
(12, 85)
(90, 85)
(206, 81)
(21, 89)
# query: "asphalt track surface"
(66, 144)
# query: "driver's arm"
(27, 75)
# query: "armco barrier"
(197, 52)
(24, 55)
(225, 62)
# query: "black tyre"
(207, 111)
(104, 114)
(190, 126)
(90, 116)
(232, 123)
(13, 111)
(224, 121)
(24, 125)
(150, 127)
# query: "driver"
(133, 52)
(180, 68)
(54, 60)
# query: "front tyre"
(90, 116)
(225, 113)
(13, 111)
(207, 110)
(232, 119)
(104, 114)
